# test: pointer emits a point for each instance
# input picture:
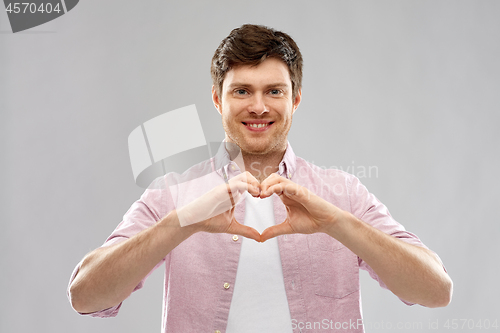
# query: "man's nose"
(258, 105)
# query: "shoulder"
(333, 185)
(194, 172)
(310, 170)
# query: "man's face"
(257, 106)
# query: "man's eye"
(240, 92)
(275, 92)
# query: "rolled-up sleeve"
(153, 205)
(366, 207)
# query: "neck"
(259, 165)
(262, 165)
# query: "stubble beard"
(275, 144)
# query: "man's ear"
(297, 100)
(216, 99)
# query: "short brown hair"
(252, 44)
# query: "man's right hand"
(109, 274)
(214, 211)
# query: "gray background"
(411, 87)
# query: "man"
(299, 271)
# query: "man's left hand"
(307, 213)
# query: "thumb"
(283, 228)
(239, 229)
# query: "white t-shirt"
(259, 302)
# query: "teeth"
(258, 125)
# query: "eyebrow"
(246, 85)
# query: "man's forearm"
(410, 272)
(108, 275)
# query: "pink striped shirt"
(321, 275)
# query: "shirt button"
(233, 167)
(235, 238)
(289, 175)
(226, 285)
(217, 331)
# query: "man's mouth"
(258, 125)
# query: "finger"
(245, 182)
(271, 180)
(239, 229)
(253, 183)
(291, 191)
(230, 195)
(238, 188)
(283, 228)
(274, 189)
(281, 186)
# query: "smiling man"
(256, 104)
(307, 231)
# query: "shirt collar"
(288, 164)
(224, 165)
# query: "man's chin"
(253, 149)
(259, 146)
(258, 149)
